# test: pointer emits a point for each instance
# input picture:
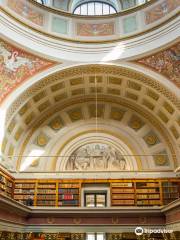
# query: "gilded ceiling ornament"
(161, 158)
(42, 139)
(56, 124)
(35, 162)
(151, 138)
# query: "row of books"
(46, 197)
(20, 197)
(122, 190)
(46, 191)
(148, 196)
(45, 203)
(171, 195)
(68, 185)
(148, 202)
(23, 191)
(68, 191)
(68, 197)
(169, 184)
(47, 185)
(70, 202)
(145, 190)
(123, 202)
(170, 190)
(24, 185)
(122, 196)
(128, 184)
(147, 184)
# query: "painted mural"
(94, 30)
(16, 66)
(160, 10)
(166, 62)
(23, 8)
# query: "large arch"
(117, 88)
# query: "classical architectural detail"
(16, 66)
(25, 9)
(160, 10)
(103, 29)
(161, 158)
(96, 156)
(88, 70)
(42, 139)
(166, 62)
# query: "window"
(95, 199)
(95, 236)
(93, 8)
(43, 2)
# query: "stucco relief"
(160, 10)
(90, 30)
(96, 156)
(16, 66)
(166, 62)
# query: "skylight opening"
(93, 8)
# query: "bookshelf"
(46, 193)
(148, 193)
(6, 185)
(170, 191)
(68, 194)
(122, 194)
(22, 189)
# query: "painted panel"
(160, 10)
(130, 24)
(16, 66)
(89, 29)
(59, 25)
(166, 62)
(23, 8)
(61, 4)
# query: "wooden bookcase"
(46, 193)
(24, 188)
(148, 193)
(124, 192)
(68, 194)
(6, 184)
(170, 191)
